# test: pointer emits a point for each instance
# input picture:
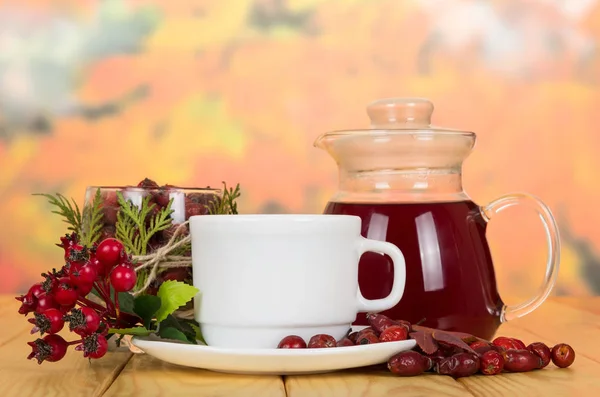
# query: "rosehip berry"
(366, 338)
(379, 322)
(353, 336)
(84, 289)
(320, 341)
(28, 303)
(45, 302)
(78, 254)
(521, 360)
(85, 274)
(109, 252)
(65, 293)
(49, 348)
(147, 183)
(123, 278)
(481, 347)
(292, 342)
(94, 346)
(50, 322)
(409, 363)
(459, 365)
(542, 351)
(36, 290)
(345, 341)
(563, 355)
(509, 343)
(491, 363)
(83, 321)
(393, 333)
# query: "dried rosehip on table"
(509, 343)
(459, 365)
(292, 342)
(521, 360)
(542, 351)
(563, 355)
(409, 363)
(491, 363)
(320, 341)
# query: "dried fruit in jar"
(409, 363)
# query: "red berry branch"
(62, 298)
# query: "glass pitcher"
(403, 178)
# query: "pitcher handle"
(552, 239)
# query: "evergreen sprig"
(133, 230)
(226, 203)
(70, 212)
(92, 220)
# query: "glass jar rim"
(144, 189)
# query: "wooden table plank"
(580, 379)
(564, 323)
(146, 376)
(16, 324)
(586, 303)
(361, 382)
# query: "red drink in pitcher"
(403, 178)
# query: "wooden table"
(572, 320)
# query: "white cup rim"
(273, 218)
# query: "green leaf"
(181, 325)
(172, 333)
(146, 306)
(226, 203)
(137, 331)
(198, 333)
(125, 301)
(173, 294)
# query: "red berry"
(45, 302)
(94, 346)
(379, 321)
(320, 341)
(36, 290)
(509, 343)
(28, 303)
(49, 348)
(109, 252)
(521, 360)
(393, 333)
(85, 274)
(542, 351)
(147, 183)
(345, 341)
(65, 293)
(409, 363)
(83, 321)
(353, 336)
(77, 254)
(292, 342)
(563, 355)
(123, 278)
(50, 322)
(491, 363)
(366, 338)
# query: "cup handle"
(377, 305)
(552, 239)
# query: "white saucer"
(271, 361)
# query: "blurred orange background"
(195, 92)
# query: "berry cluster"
(62, 298)
(452, 356)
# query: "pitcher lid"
(402, 114)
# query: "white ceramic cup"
(263, 277)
